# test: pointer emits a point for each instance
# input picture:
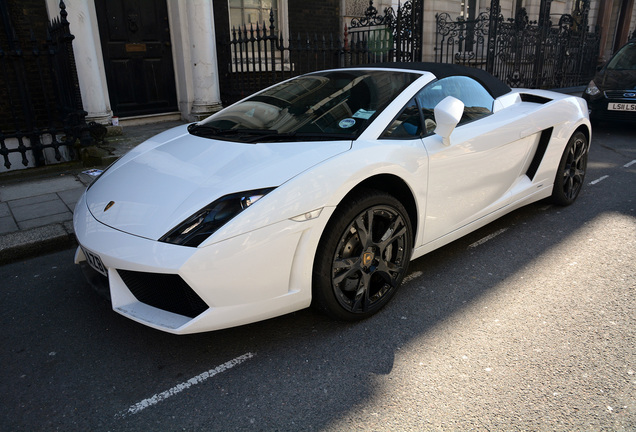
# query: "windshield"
(328, 105)
(625, 59)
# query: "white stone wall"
(88, 57)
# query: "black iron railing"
(524, 53)
(40, 99)
(261, 57)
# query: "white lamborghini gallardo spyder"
(319, 191)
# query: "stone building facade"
(141, 62)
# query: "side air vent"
(546, 134)
(525, 97)
(164, 291)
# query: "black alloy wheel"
(571, 173)
(363, 256)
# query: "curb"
(38, 241)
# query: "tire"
(355, 274)
(571, 172)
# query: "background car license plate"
(95, 261)
(622, 107)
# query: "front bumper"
(178, 289)
(599, 106)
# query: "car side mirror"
(447, 115)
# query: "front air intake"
(168, 292)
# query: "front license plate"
(95, 261)
(622, 107)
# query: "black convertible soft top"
(494, 86)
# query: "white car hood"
(169, 177)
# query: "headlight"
(591, 89)
(201, 225)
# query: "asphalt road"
(526, 324)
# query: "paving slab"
(29, 201)
(7, 225)
(46, 220)
(38, 210)
(71, 196)
(37, 187)
(4, 210)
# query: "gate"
(260, 57)
(39, 96)
(392, 37)
(523, 53)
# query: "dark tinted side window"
(477, 101)
(625, 59)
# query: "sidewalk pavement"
(36, 206)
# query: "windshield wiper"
(261, 135)
(203, 130)
(246, 131)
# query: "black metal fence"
(42, 115)
(261, 57)
(521, 52)
(392, 37)
(524, 53)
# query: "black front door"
(137, 52)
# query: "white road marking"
(140, 406)
(408, 278)
(488, 237)
(628, 164)
(598, 180)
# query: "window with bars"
(250, 19)
(246, 12)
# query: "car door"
(473, 176)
